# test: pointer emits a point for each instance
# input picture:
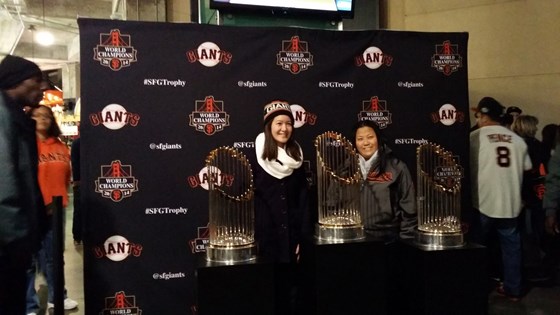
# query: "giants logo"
(209, 116)
(294, 56)
(448, 115)
(117, 248)
(114, 116)
(114, 50)
(373, 58)
(375, 110)
(301, 116)
(204, 177)
(121, 304)
(116, 181)
(447, 59)
(209, 55)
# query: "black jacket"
(281, 213)
(22, 214)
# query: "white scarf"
(365, 165)
(280, 167)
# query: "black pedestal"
(246, 288)
(350, 278)
(452, 281)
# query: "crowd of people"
(515, 182)
(35, 167)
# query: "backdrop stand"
(350, 278)
(242, 288)
(438, 282)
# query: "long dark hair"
(270, 150)
(54, 129)
(381, 143)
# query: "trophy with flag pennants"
(338, 184)
(439, 198)
(231, 208)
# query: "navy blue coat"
(281, 213)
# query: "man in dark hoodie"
(21, 204)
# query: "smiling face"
(366, 142)
(281, 129)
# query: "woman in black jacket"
(281, 199)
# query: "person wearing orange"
(54, 179)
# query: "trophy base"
(231, 255)
(339, 234)
(439, 240)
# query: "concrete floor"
(538, 301)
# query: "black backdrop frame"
(155, 101)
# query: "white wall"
(513, 47)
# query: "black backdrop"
(158, 97)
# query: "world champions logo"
(375, 110)
(209, 116)
(199, 244)
(294, 56)
(114, 50)
(121, 303)
(447, 59)
(116, 181)
(446, 175)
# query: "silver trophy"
(338, 184)
(439, 198)
(231, 208)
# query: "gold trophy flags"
(439, 198)
(338, 184)
(231, 208)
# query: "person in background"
(498, 159)
(77, 220)
(548, 134)
(388, 199)
(514, 112)
(22, 214)
(551, 200)
(532, 215)
(281, 200)
(551, 205)
(54, 178)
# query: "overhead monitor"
(331, 9)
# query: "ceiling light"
(44, 38)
